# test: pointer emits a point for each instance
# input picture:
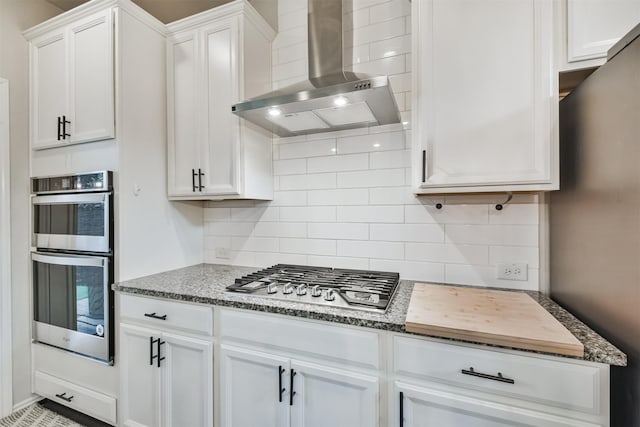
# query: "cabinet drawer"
(87, 401)
(348, 346)
(552, 382)
(167, 314)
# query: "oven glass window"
(71, 297)
(75, 219)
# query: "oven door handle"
(70, 260)
(66, 199)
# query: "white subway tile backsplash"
(308, 214)
(336, 230)
(363, 248)
(486, 274)
(280, 229)
(447, 253)
(359, 196)
(350, 162)
(371, 178)
(371, 143)
(343, 199)
(390, 159)
(302, 150)
(289, 167)
(221, 228)
(289, 198)
(371, 214)
(254, 214)
(422, 271)
(391, 47)
(308, 182)
(448, 214)
(338, 262)
(308, 246)
(407, 232)
(509, 254)
(393, 196)
(255, 244)
(390, 10)
(508, 235)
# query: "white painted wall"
(343, 199)
(16, 16)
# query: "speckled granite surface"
(205, 283)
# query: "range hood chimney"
(332, 98)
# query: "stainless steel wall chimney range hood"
(332, 98)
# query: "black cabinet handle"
(424, 165)
(498, 377)
(155, 316)
(151, 356)
(59, 126)
(159, 351)
(280, 388)
(64, 396)
(291, 392)
(193, 180)
(64, 127)
(401, 409)
(200, 175)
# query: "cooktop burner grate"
(356, 289)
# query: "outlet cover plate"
(512, 271)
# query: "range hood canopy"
(332, 98)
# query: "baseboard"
(28, 401)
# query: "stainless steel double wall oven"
(73, 263)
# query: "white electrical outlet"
(223, 253)
(512, 271)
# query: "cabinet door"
(327, 396)
(423, 407)
(221, 151)
(187, 381)
(485, 111)
(139, 378)
(91, 81)
(593, 26)
(48, 88)
(183, 103)
(254, 389)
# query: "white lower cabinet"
(166, 379)
(423, 406)
(260, 389)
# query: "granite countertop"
(206, 283)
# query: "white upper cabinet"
(485, 96)
(72, 82)
(593, 26)
(215, 59)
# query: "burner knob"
(287, 289)
(272, 288)
(329, 295)
(316, 291)
(301, 289)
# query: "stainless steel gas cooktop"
(354, 289)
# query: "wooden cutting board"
(510, 319)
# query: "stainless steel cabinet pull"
(498, 377)
(64, 396)
(424, 165)
(155, 316)
(291, 392)
(59, 126)
(193, 180)
(280, 388)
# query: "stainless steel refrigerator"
(595, 217)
